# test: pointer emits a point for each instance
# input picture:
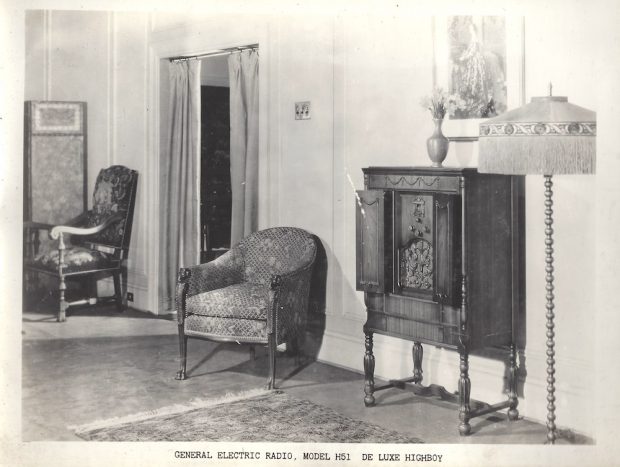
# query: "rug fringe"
(169, 410)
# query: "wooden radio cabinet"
(440, 260)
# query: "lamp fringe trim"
(517, 155)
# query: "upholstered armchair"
(94, 244)
(256, 293)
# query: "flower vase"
(437, 144)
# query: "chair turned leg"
(62, 312)
(271, 344)
(62, 287)
(181, 375)
(63, 305)
(118, 293)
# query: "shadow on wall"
(318, 285)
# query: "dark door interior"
(215, 190)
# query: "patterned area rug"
(265, 416)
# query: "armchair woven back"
(277, 250)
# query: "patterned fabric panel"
(57, 178)
(276, 251)
(114, 191)
(231, 328)
(221, 272)
(76, 259)
(245, 301)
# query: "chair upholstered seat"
(234, 329)
(240, 301)
(76, 259)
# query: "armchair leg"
(182, 353)
(62, 312)
(271, 344)
(63, 305)
(118, 293)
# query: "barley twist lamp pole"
(548, 136)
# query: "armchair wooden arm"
(32, 225)
(72, 230)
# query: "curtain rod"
(214, 53)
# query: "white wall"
(364, 74)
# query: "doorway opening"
(223, 196)
(215, 181)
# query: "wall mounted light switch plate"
(302, 110)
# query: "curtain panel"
(181, 198)
(243, 75)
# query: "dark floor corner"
(120, 364)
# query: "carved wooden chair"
(256, 293)
(92, 245)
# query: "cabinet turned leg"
(418, 352)
(369, 371)
(464, 391)
(513, 413)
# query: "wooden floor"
(100, 364)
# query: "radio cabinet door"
(370, 241)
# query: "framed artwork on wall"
(478, 60)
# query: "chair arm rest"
(181, 293)
(289, 300)
(225, 270)
(62, 229)
(287, 279)
(32, 225)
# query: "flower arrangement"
(441, 102)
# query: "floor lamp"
(548, 136)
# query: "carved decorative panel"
(417, 265)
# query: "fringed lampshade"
(547, 136)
